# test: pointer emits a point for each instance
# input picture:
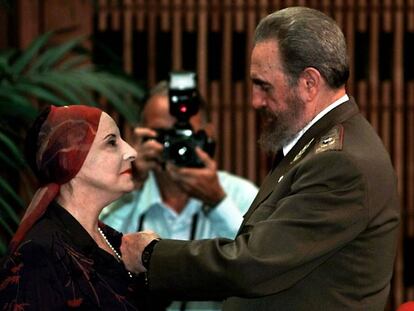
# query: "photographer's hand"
(201, 183)
(149, 152)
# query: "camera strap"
(141, 222)
(194, 223)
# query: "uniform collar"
(333, 117)
(332, 106)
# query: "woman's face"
(107, 166)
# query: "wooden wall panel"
(177, 32)
(69, 18)
(28, 13)
(152, 44)
(408, 210)
(226, 112)
(202, 48)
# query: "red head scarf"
(61, 146)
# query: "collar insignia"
(300, 153)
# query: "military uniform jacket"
(320, 235)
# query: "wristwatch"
(147, 252)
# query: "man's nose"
(258, 100)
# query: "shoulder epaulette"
(333, 140)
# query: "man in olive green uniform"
(321, 233)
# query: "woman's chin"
(129, 187)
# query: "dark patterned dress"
(59, 266)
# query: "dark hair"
(307, 38)
(32, 143)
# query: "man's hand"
(132, 246)
(200, 183)
(149, 152)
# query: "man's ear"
(310, 82)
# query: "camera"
(180, 141)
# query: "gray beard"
(279, 129)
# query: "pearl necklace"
(117, 255)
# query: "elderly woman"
(61, 256)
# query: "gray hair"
(307, 38)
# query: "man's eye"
(265, 87)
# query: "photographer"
(179, 202)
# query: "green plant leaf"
(3, 247)
(9, 211)
(60, 83)
(117, 100)
(15, 109)
(72, 81)
(107, 89)
(72, 62)
(28, 55)
(52, 55)
(14, 98)
(5, 57)
(7, 161)
(4, 185)
(86, 95)
(40, 93)
(122, 84)
(5, 226)
(12, 103)
(15, 152)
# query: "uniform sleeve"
(284, 239)
(28, 281)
